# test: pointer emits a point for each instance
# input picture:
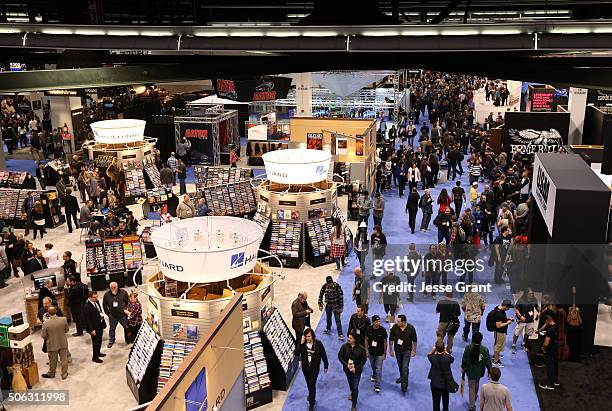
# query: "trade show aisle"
(333, 388)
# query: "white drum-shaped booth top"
(297, 166)
(207, 249)
(118, 131)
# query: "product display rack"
(12, 179)
(153, 174)
(113, 254)
(206, 176)
(94, 256)
(142, 368)
(318, 244)
(236, 199)
(132, 252)
(285, 243)
(145, 238)
(173, 354)
(279, 350)
(257, 384)
(264, 223)
(135, 185)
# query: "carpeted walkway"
(333, 388)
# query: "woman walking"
(312, 353)
(476, 358)
(338, 243)
(38, 219)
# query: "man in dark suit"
(45, 291)
(76, 293)
(71, 208)
(38, 262)
(94, 324)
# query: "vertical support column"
(60, 112)
(577, 107)
(303, 95)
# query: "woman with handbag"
(441, 376)
(38, 219)
(476, 358)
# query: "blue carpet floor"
(333, 388)
(21, 165)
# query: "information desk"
(31, 305)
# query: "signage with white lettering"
(297, 166)
(530, 133)
(544, 192)
(118, 131)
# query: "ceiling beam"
(452, 5)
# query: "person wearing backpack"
(448, 324)
(497, 322)
(475, 359)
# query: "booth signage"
(317, 201)
(599, 97)
(542, 99)
(297, 166)
(103, 159)
(287, 203)
(184, 313)
(118, 131)
(544, 192)
(153, 302)
(201, 139)
(264, 89)
(530, 133)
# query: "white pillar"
(576, 105)
(303, 94)
(60, 111)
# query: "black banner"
(201, 139)
(530, 133)
(264, 89)
(599, 97)
(184, 313)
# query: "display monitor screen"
(40, 282)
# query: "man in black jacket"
(94, 324)
(412, 207)
(76, 293)
(352, 356)
(300, 312)
(71, 208)
(26, 208)
(312, 352)
(115, 303)
(439, 374)
(443, 221)
(69, 266)
(359, 324)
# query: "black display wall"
(568, 230)
(531, 133)
(162, 128)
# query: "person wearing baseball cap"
(501, 330)
(376, 350)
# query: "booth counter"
(203, 303)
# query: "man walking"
(439, 374)
(71, 207)
(426, 206)
(473, 305)
(331, 293)
(500, 326)
(376, 346)
(443, 221)
(115, 303)
(359, 324)
(352, 356)
(526, 311)
(493, 395)
(402, 346)
(448, 324)
(475, 360)
(54, 334)
(76, 294)
(549, 349)
(459, 197)
(361, 290)
(365, 204)
(301, 315)
(412, 207)
(379, 209)
(94, 324)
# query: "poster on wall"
(314, 141)
(202, 142)
(341, 145)
(103, 159)
(544, 192)
(263, 89)
(530, 133)
(359, 147)
(599, 97)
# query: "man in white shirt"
(495, 396)
(51, 256)
(33, 124)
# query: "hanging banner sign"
(297, 166)
(599, 97)
(265, 89)
(544, 192)
(201, 139)
(118, 131)
(530, 133)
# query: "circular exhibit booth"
(300, 201)
(202, 262)
(122, 139)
